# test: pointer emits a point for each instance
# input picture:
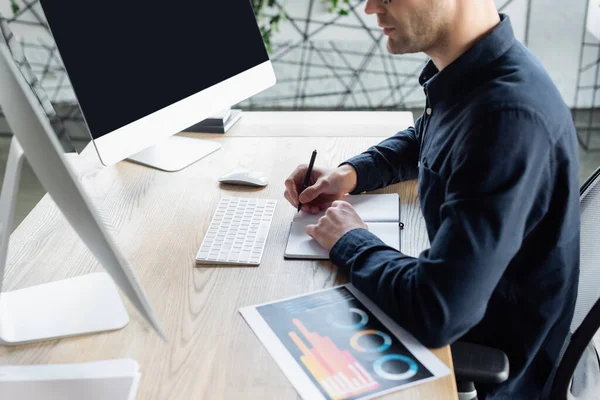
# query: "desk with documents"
(159, 220)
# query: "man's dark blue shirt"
(496, 157)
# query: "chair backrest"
(586, 319)
(18, 55)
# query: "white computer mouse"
(245, 177)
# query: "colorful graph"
(364, 319)
(413, 368)
(387, 341)
(337, 371)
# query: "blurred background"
(329, 55)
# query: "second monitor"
(143, 71)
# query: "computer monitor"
(85, 304)
(143, 71)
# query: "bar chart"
(337, 371)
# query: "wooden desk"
(159, 220)
(321, 123)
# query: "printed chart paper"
(336, 344)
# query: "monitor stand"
(75, 306)
(175, 153)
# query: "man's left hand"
(339, 219)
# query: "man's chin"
(393, 47)
(396, 47)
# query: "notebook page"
(300, 245)
(370, 207)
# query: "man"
(495, 153)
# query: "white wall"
(593, 18)
(556, 34)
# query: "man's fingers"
(310, 209)
(289, 198)
(312, 192)
(310, 230)
(289, 184)
(309, 194)
(314, 209)
(295, 180)
(290, 187)
(313, 230)
(297, 177)
(340, 203)
(333, 213)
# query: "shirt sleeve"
(393, 160)
(499, 186)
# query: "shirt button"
(428, 111)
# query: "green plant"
(269, 23)
(338, 6)
(14, 6)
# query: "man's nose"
(374, 7)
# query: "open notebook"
(381, 213)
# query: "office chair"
(18, 55)
(578, 373)
(578, 369)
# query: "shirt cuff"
(350, 244)
(362, 163)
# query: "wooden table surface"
(320, 123)
(159, 219)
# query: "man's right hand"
(326, 185)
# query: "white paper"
(370, 208)
(301, 245)
(99, 380)
(320, 305)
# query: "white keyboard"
(238, 232)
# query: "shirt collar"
(441, 85)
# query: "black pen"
(307, 176)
